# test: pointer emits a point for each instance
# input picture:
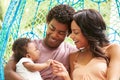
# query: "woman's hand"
(59, 70)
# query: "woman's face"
(77, 36)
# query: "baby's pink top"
(95, 70)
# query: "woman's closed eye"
(76, 32)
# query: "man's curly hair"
(62, 13)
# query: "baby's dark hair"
(62, 13)
(19, 48)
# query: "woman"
(97, 59)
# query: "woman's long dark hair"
(93, 26)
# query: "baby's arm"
(37, 66)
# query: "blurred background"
(3, 7)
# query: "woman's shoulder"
(113, 49)
(113, 46)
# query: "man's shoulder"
(37, 41)
(69, 46)
(65, 44)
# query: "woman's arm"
(113, 72)
(36, 66)
(9, 71)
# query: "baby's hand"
(49, 62)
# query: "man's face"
(55, 34)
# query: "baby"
(26, 54)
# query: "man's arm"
(9, 71)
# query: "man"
(52, 46)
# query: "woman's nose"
(71, 35)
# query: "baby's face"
(33, 51)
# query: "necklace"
(82, 50)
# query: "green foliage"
(1, 18)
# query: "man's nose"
(55, 34)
